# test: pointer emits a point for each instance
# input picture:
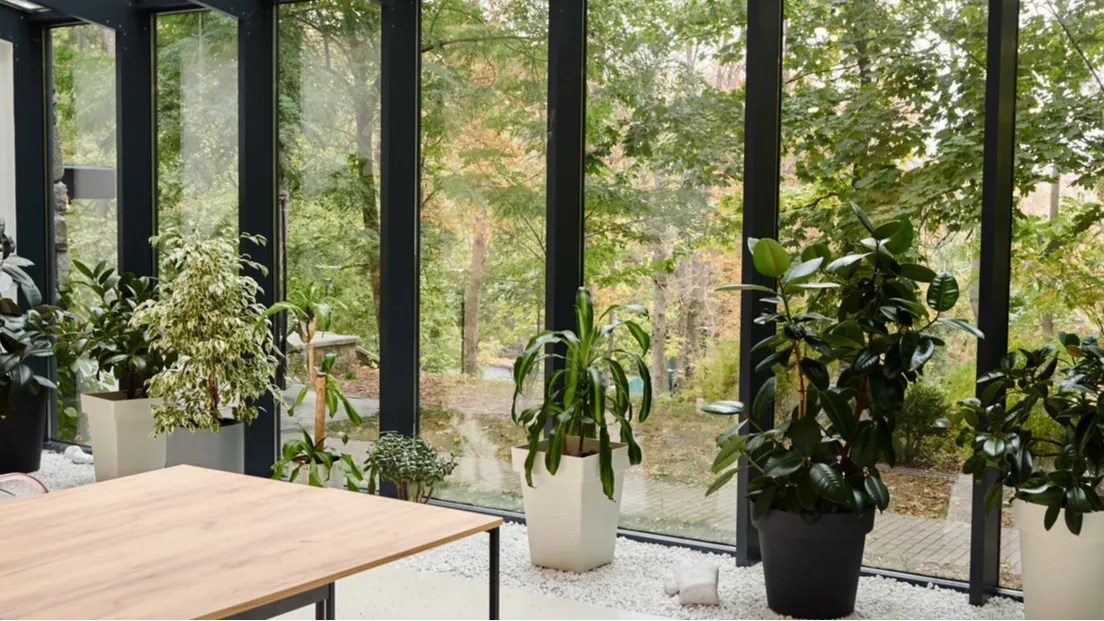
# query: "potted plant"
(22, 339)
(572, 479)
(1055, 474)
(120, 421)
(310, 313)
(410, 464)
(207, 317)
(814, 502)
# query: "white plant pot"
(224, 450)
(1063, 573)
(122, 435)
(572, 525)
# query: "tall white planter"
(1063, 573)
(224, 450)
(122, 435)
(572, 525)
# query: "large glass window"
(484, 101)
(329, 107)
(1057, 261)
(197, 122)
(883, 105)
(84, 181)
(665, 121)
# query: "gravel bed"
(634, 583)
(57, 472)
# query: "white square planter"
(122, 435)
(224, 450)
(1062, 573)
(572, 525)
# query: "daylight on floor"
(566, 309)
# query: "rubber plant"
(309, 313)
(23, 334)
(408, 462)
(853, 363)
(206, 314)
(1062, 471)
(578, 399)
(120, 348)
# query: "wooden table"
(190, 543)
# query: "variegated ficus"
(856, 329)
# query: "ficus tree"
(853, 365)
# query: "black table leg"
(493, 578)
(327, 608)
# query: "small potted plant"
(410, 464)
(120, 421)
(310, 313)
(23, 404)
(1056, 475)
(572, 479)
(207, 317)
(814, 502)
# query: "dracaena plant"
(853, 361)
(1061, 471)
(309, 313)
(120, 349)
(578, 400)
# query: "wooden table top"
(190, 543)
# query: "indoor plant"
(206, 315)
(311, 313)
(814, 501)
(23, 404)
(409, 463)
(572, 479)
(1055, 474)
(120, 421)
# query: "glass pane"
(883, 105)
(484, 97)
(664, 201)
(85, 223)
(1057, 263)
(329, 187)
(197, 122)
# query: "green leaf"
(960, 324)
(720, 481)
(760, 288)
(994, 448)
(839, 412)
(1074, 520)
(605, 462)
(1052, 512)
(729, 452)
(861, 215)
(763, 502)
(798, 271)
(770, 258)
(829, 484)
(877, 491)
(782, 464)
(724, 408)
(917, 272)
(764, 399)
(845, 261)
(901, 240)
(916, 350)
(642, 337)
(943, 292)
(805, 435)
(816, 372)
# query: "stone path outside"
(901, 542)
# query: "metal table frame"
(325, 602)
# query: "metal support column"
(762, 151)
(996, 262)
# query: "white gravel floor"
(634, 582)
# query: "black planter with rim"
(21, 434)
(812, 570)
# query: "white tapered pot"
(222, 450)
(572, 524)
(122, 435)
(1063, 573)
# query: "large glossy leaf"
(877, 491)
(916, 350)
(770, 258)
(861, 215)
(720, 481)
(829, 484)
(839, 412)
(605, 462)
(741, 287)
(782, 464)
(816, 372)
(963, 325)
(763, 503)
(797, 271)
(642, 337)
(901, 239)
(764, 399)
(845, 261)
(943, 292)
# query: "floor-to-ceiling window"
(329, 140)
(883, 104)
(484, 101)
(664, 163)
(85, 218)
(1058, 234)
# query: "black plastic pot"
(812, 571)
(21, 434)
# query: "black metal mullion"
(762, 152)
(563, 272)
(400, 200)
(258, 211)
(996, 262)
